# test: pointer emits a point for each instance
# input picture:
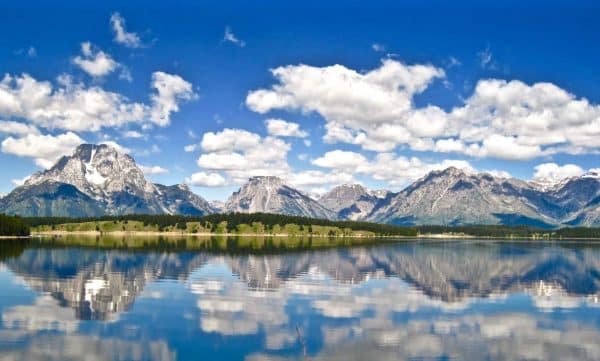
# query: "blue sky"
(378, 92)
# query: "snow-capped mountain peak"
(114, 184)
(98, 171)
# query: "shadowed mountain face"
(97, 180)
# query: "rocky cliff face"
(97, 180)
(454, 197)
(351, 201)
(272, 195)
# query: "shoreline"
(439, 236)
(187, 234)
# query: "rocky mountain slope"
(351, 201)
(97, 180)
(454, 197)
(272, 195)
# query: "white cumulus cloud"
(242, 154)
(282, 128)
(17, 128)
(376, 110)
(340, 159)
(44, 149)
(76, 107)
(171, 89)
(95, 62)
(552, 172)
(206, 179)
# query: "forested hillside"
(13, 226)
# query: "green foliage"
(228, 223)
(264, 223)
(13, 226)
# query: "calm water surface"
(463, 300)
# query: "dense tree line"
(13, 226)
(233, 220)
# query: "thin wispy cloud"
(378, 47)
(230, 37)
(122, 36)
(486, 59)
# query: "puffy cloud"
(229, 139)
(242, 154)
(45, 149)
(504, 147)
(388, 167)
(204, 179)
(171, 89)
(552, 172)
(398, 171)
(153, 170)
(95, 62)
(532, 119)
(344, 95)
(122, 36)
(75, 107)
(501, 119)
(339, 159)
(282, 128)
(230, 37)
(360, 108)
(17, 128)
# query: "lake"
(427, 299)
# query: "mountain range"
(99, 180)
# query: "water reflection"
(436, 300)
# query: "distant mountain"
(218, 206)
(50, 198)
(454, 197)
(272, 195)
(97, 180)
(351, 201)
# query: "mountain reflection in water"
(432, 300)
